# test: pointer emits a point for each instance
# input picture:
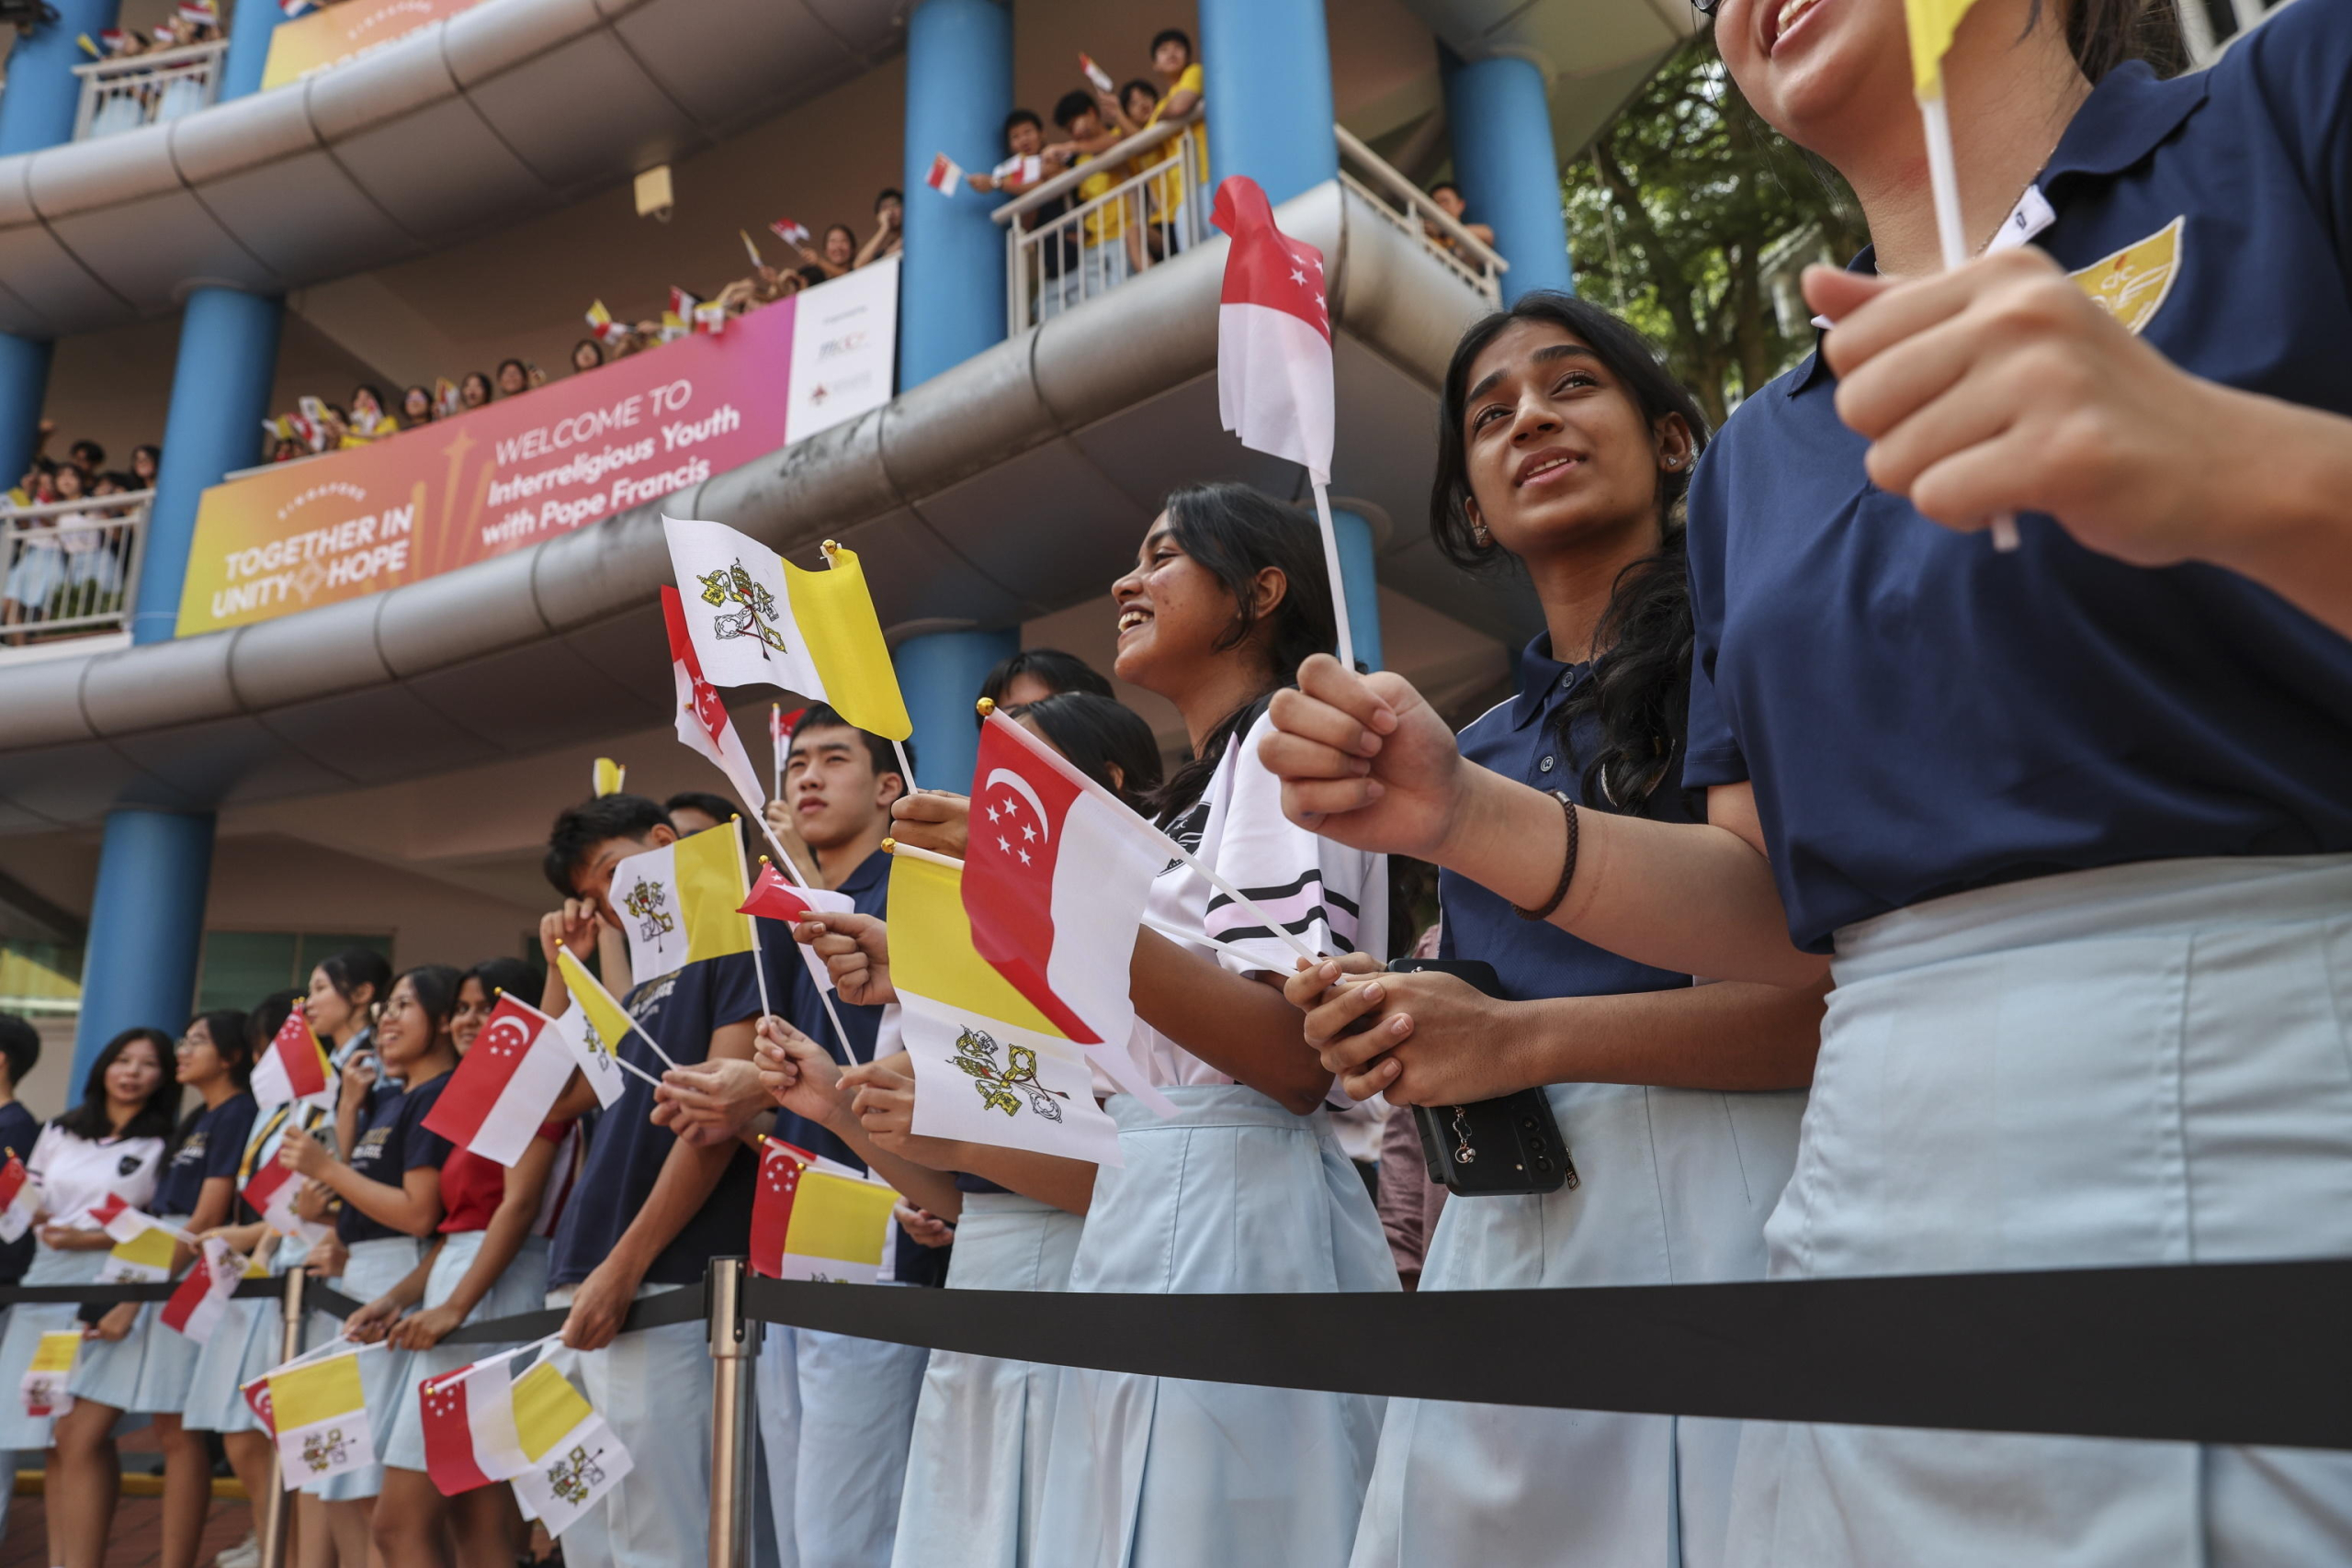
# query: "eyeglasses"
(1706, 8)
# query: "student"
(370, 420)
(390, 1186)
(1024, 137)
(416, 406)
(1566, 447)
(2060, 814)
(19, 1053)
(1173, 62)
(651, 1209)
(976, 1465)
(473, 391)
(1228, 596)
(110, 1144)
(1104, 259)
(1448, 197)
(251, 1338)
(144, 462)
(694, 811)
(1036, 673)
(513, 377)
(147, 1371)
(889, 228)
(837, 257)
(489, 1261)
(587, 354)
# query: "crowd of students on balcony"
(150, 96)
(59, 565)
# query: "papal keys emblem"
(321, 1450)
(975, 1053)
(649, 902)
(754, 614)
(575, 1475)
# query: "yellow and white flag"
(145, 1257)
(990, 1067)
(756, 619)
(50, 1371)
(682, 903)
(321, 1409)
(594, 1026)
(609, 777)
(574, 1457)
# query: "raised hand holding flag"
(946, 177)
(1273, 357)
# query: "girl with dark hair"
(1228, 596)
(111, 1145)
(513, 377)
(148, 1370)
(249, 1340)
(1565, 445)
(370, 420)
(587, 354)
(390, 1188)
(473, 390)
(2055, 820)
(1106, 741)
(416, 406)
(488, 1260)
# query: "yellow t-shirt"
(1108, 222)
(1191, 81)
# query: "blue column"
(959, 88)
(24, 386)
(249, 34)
(43, 94)
(1268, 106)
(221, 384)
(940, 674)
(1360, 577)
(146, 927)
(1504, 162)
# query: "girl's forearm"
(396, 1207)
(1235, 1025)
(1067, 1184)
(1733, 1035)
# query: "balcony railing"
(70, 568)
(147, 89)
(1065, 244)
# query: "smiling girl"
(2068, 825)
(1227, 597)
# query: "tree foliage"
(1673, 211)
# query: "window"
(242, 967)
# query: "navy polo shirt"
(392, 1142)
(18, 1128)
(794, 991)
(1521, 739)
(682, 1010)
(1922, 715)
(211, 1146)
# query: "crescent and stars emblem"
(506, 1036)
(1005, 814)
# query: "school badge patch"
(2132, 284)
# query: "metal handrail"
(103, 573)
(146, 78)
(1076, 175)
(1405, 190)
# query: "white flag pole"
(1331, 566)
(775, 751)
(759, 965)
(618, 1060)
(1952, 233)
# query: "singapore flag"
(1273, 335)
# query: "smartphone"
(1490, 1148)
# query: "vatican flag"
(682, 902)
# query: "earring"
(1479, 536)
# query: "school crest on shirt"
(649, 902)
(754, 612)
(975, 1053)
(2132, 284)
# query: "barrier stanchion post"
(277, 1509)
(733, 1342)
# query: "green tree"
(1674, 212)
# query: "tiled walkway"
(135, 1541)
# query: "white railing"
(1408, 206)
(1063, 246)
(70, 568)
(147, 89)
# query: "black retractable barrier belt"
(2220, 1353)
(687, 1304)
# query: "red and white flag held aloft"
(703, 723)
(504, 1086)
(1273, 356)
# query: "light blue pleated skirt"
(146, 1370)
(1674, 1189)
(28, 1321)
(521, 1288)
(374, 1268)
(975, 1472)
(2149, 1064)
(1232, 1194)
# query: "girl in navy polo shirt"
(148, 1370)
(1564, 443)
(390, 1188)
(2072, 822)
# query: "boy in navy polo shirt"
(650, 1211)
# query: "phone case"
(1490, 1148)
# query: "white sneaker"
(246, 1553)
